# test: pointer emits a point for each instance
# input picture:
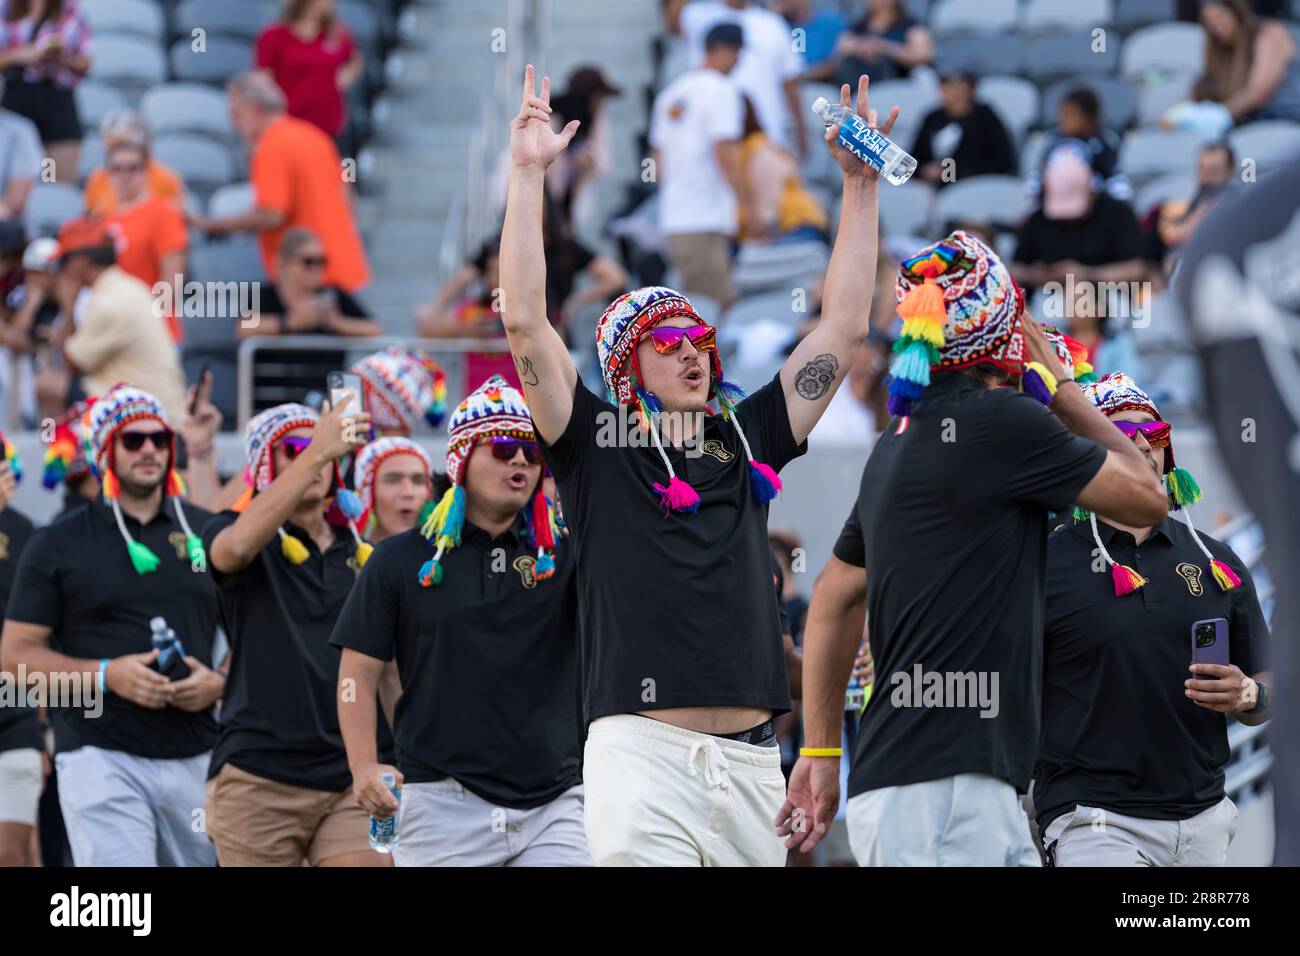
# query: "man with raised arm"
(683, 665)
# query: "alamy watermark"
(1088, 299)
(956, 689)
(622, 429)
(73, 690)
(211, 300)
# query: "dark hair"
(105, 255)
(489, 250)
(1221, 145)
(1084, 99)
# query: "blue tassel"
(650, 400)
(729, 395)
(545, 566)
(349, 503)
(899, 406)
(455, 521)
(764, 482)
(913, 365)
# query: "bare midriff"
(710, 720)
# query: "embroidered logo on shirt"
(355, 565)
(1192, 575)
(716, 449)
(524, 565)
(177, 540)
(4, 547)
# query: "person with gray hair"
(298, 180)
(122, 127)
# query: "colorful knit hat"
(104, 417)
(403, 386)
(1116, 393)
(960, 308)
(493, 410)
(10, 454)
(65, 458)
(260, 435)
(367, 468)
(618, 333)
(1072, 354)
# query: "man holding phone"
(1134, 740)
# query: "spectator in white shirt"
(769, 68)
(696, 131)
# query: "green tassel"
(1081, 514)
(142, 558)
(198, 557)
(1183, 488)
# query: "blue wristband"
(103, 678)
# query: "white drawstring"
(715, 763)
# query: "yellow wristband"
(821, 751)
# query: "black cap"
(953, 69)
(724, 34)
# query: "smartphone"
(340, 382)
(1210, 641)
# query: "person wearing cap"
(278, 785)
(1118, 682)
(132, 751)
(961, 137)
(118, 336)
(32, 301)
(684, 663)
(944, 550)
(479, 609)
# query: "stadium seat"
(1150, 153)
(231, 200)
(363, 22)
(127, 61)
(244, 19)
(918, 10)
(777, 305)
(95, 100)
(226, 260)
(951, 18)
(188, 108)
(995, 199)
(913, 98)
(1270, 143)
(49, 206)
(1015, 100)
(91, 156)
(202, 162)
(762, 266)
(1164, 188)
(1163, 48)
(1031, 155)
(983, 55)
(1154, 99)
(1044, 16)
(1130, 14)
(1118, 102)
(1066, 54)
(136, 17)
(222, 58)
(905, 210)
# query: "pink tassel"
(765, 482)
(678, 496)
(1126, 579)
(1224, 576)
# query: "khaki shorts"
(704, 260)
(253, 821)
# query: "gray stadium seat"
(1130, 14)
(49, 206)
(905, 210)
(1066, 54)
(913, 99)
(222, 58)
(777, 306)
(1150, 153)
(91, 156)
(996, 199)
(1171, 186)
(918, 10)
(202, 162)
(362, 22)
(1154, 99)
(1015, 100)
(138, 17)
(1031, 155)
(231, 200)
(1163, 48)
(94, 100)
(127, 61)
(232, 18)
(1118, 104)
(762, 266)
(1270, 143)
(188, 108)
(230, 260)
(951, 18)
(1041, 16)
(983, 55)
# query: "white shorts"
(1092, 836)
(970, 819)
(21, 780)
(659, 795)
(443, 824)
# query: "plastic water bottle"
(383, 832)
(165, 642)
(871, 146)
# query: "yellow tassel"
(364, 550)
(925, 329)
(294, 550)
(439, 514)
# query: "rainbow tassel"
(677, 496)
(364, 550)
(765, 482)
(175, 484)
(1182, 487)
(112, 487)
(729, 396)
(294, 551)
(544, 569)
(430, 573)
(1126, 579)
(912, 362)
(1224, 576)
(445, 523)
(142, 559)
(59, 457)
(10, 454)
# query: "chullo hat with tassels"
(366, 470)
(493, 410)
(1116, 393)
(104, 418)
(260, 435)
(618, 333)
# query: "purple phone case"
(1216, 653)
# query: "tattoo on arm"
(527, 374)
(815, 379)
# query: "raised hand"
(340, 430)
(532, 141)
(852, 167)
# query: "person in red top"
(311, 56)
(298, 180)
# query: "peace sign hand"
(532, 140)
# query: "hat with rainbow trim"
(367, 465)
(8, 453)
(65, 456)
(401, 387)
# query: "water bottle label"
(862, 141)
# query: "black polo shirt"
(951, 526)
(18, 723)
(488, 662)
(279, 714)
(1118, 730)
(76, 578)
(678, 609)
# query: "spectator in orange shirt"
(297, 182)
(125, 126)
